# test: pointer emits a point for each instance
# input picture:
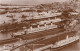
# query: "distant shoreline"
(14, 5)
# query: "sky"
(28, 2)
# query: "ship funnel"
(51, 24)
(67, 37)
(38, 26)
(31, 28)
(45, 24)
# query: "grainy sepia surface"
(39, 25)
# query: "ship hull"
(60, 47)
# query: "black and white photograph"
(39, 25)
